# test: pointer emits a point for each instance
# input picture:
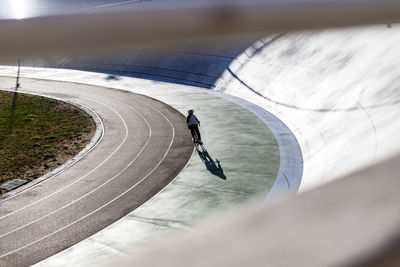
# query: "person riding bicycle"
(193, 124)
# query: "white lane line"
(70, 165)
(108, 203)
(97, 188)
(87, 174)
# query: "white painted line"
(108, 203)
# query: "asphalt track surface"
(144, 146)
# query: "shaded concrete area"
(239, 165)
(200, 67)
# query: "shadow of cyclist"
(212, 166)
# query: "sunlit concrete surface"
(239, 166)
(337, 90)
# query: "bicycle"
(196, 140)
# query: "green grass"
(38, 134)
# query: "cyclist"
(193, 124)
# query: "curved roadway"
(145, 145)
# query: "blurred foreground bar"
(160, 26)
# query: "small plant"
(30, 117)
(35, 138)
(49, 156)
(50, 137)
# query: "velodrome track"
(368, 115)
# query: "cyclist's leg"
(198, 132)
(192, 131)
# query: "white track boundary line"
(108, 203)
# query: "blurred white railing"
(191, 24)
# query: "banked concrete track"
(337, 90)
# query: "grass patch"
(38, 134)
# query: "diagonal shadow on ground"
(212, 166)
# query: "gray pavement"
(248, 159)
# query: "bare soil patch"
(39, 134)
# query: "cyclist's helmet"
(190, 111)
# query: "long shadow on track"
(212, 166)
